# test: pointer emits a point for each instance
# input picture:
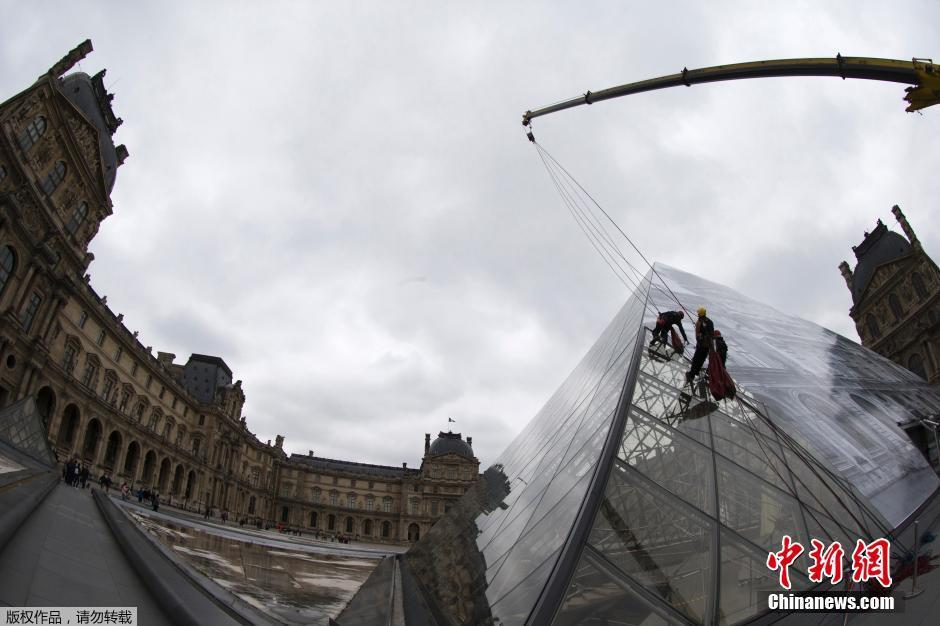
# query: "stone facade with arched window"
(895, 290)
(104, 396)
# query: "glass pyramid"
(632, 498)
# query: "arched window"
(56, 176)
(872, 325)
(916, 364)
(919, 288)
(895, 304)
(313, 519)
(32, 133)
(78, 216)
(7, 263)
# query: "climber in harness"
(704, 343)
(721, 348)
(664, 324)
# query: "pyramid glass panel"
(635, 498)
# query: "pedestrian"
(155, 500)
(208, 512)
(704, 341)
(124, 491)
(84, 475)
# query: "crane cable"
(559, 174)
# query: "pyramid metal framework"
(631, 498)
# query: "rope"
(546, 153)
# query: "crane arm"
(922, 73)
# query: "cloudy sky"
(339, 199)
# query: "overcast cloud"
(339, 200)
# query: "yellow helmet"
(701, 311)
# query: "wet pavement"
(289, 581)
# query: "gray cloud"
(339, 200)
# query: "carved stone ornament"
(87, 139)
(29, 213)
(28, 109)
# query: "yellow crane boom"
(923, 74)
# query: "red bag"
(676, 342)
(720, 382)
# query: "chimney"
(269, 443)
(905, 226)
(846, 274)
(279, 441)
(427, 443)
(310, 453)
(404, 466)
(470, 441)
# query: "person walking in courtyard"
(155, 500)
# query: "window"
(352, 482)
(134, 369)
(101, 336)
(118, 354)
(335, 480)
(415, 506)
(919, 288)
(56, 176)
(334, 498)
(82, 319)
(78, 216)
(125, 398)
(68, 361)
(179, 437)
(140, 410)
(387, 505)
(108, 388)
(433, 507)
(154, 418)
(916, 365)
(872, 325)
(174, 402)
(316, 495)
(371, 485)
(7, 263)
(149, 380)
(895, 304)
(370, 503)
(451, 473)
(196, 447)
(162, 391)
(29, 313)
(91, 373)
(202, 420)
(32, 133)
(351, 501)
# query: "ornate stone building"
(895, 290)
(107, 400)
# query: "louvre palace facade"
(107, 400)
